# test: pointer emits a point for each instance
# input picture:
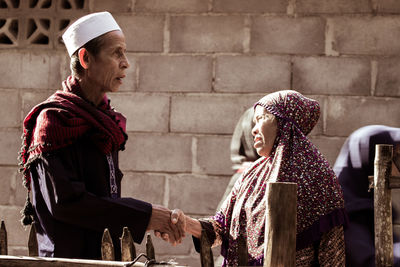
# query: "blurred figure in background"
(243, 154)
(242, 151)
(353, 166)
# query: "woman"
(352, 167)
(282, 121)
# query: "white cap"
(87, 28)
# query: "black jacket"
(73, 204)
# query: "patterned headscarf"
(295, 159)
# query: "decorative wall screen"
(37, 23)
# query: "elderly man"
(70, 153)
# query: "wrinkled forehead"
(260, 111)
(114, 39)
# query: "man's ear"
(84, 58)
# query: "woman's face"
(264, 131)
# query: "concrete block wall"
(196, 65)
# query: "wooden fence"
(382, 182)
(280, 230)
(280, 233)
(128, 253)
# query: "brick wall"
(196, 65)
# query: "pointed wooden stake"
(32, 242)
(150, 248)
(3, 239)
(206, 255)
(128, 250)
(383, 206)
(107, 247)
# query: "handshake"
(171, 226)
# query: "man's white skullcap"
(87, 28)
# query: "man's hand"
(169, 225)
(178, 219)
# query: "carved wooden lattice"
(37, 23)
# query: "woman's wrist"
(193, 226)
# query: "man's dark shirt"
(71, 197)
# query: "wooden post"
(128, 250)
(383, 206)
(107, 247)
(33, 250)
(206, 255)
(3, 239)
(396, 156)
(150, 253)
(243, 255)
(280, 225)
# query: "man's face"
(107, 69)
(264, 131)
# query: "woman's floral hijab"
(293, 159)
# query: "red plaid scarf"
(65, 117)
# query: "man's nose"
(125, 62)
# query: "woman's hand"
(177, 218)
(170, 224)
(188, 224)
